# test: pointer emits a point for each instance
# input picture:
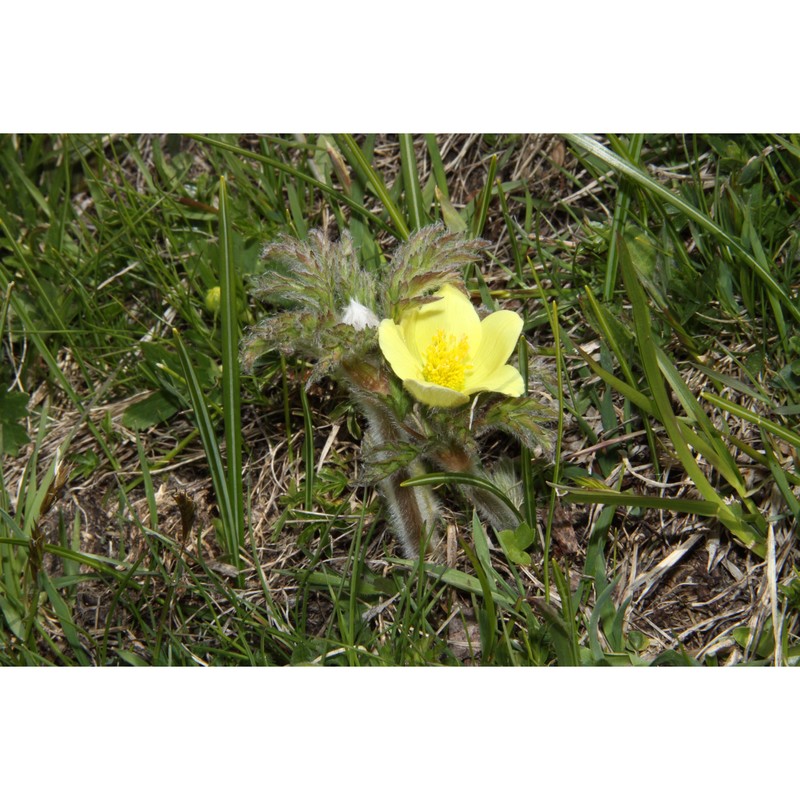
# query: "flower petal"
(453, 313)
(395, 351)
(506, 380)
(434, 395)
(499, 335)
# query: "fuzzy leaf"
(523, 418)
(383, 460)
(431, 257)
(315, 274)
(290, 333)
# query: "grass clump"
(158, 505)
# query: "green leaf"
(481, 543)
(13, 435)
(12, 616)
(514, 553)
(458, 580)
(149, 412)
(638, 641)
(561, 633)
(132, 659)
(516, 542)
(643, 256)
(525, 536)
(672, 658)
(384, 459)
(766, 641)
(452, 219)
(622, 205)
(603, 610)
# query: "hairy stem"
(456, 458)
(413, 511)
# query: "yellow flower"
(443, 352)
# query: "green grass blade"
(209, 438)
(482, 209)
(408, 165)
(722, 458)
(438, 478)
(710, 448)
(609, 497)
(308, 452)
(437, 166)
(14, 168)
(31, 330)
(781, 431)
(480, 542)
(487, 617)
(512, 233)
(147, 481)
(451, 218)
(623, 202)
(231, 394)
(298, 175)
(781, 477)
(64, 616)
(528, 490)
(352, 153)
(603, 605)
(457, 579)
(642, 179)
(625, 389)
(561, 624)
(729, 515)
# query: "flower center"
(445, 360)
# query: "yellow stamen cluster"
(446, 360)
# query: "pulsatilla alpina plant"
(429, 374)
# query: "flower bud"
(213, 299)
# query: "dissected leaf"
(522, 417)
